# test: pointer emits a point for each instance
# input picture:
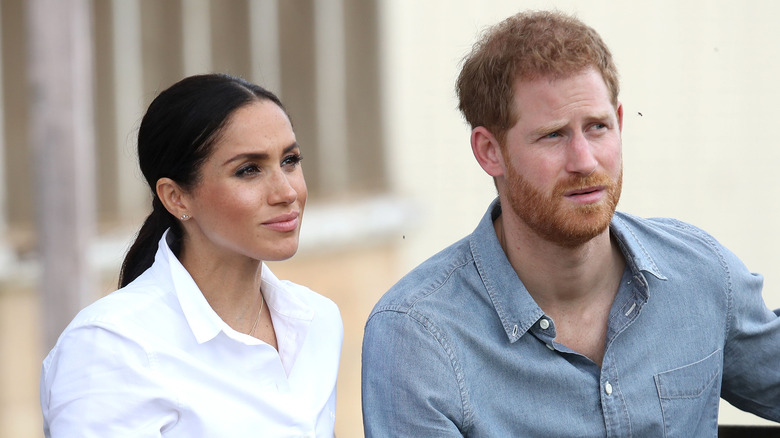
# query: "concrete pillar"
(264, 45)
(330, 67)
(196, 41)
(62, 136)
(6, 254)
(129, 102)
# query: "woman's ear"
(487, 151)
(173, 198)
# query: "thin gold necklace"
(254, 326)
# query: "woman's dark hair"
(176, 136)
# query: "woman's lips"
(283, 223)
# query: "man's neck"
(575, 286)
(552, 272)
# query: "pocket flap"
(690, 380)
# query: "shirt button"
(544, 324)
(608, 388)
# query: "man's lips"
(284, 223)
(585, 195)
(584, 191)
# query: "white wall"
(701, 73)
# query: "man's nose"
(580, 158)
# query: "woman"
(202, 340)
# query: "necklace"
(254, 326)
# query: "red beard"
(565, 225)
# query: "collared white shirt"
(154, 360)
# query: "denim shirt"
(459, 347)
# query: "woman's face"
(251, 193)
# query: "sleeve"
(411, 383)
(751, 368)
(98, 383)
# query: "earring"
(184, 217)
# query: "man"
(557, 316)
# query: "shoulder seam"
(457, 369)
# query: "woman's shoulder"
(312, 299)
(297, 293)
(143, 297)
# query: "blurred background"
(370, 86)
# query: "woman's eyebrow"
(259, 156)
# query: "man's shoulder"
(657, 227)
(430, 280)
(664, 238)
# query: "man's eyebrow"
(260, 156)
(601, 116)
(556, 125)
(548, 128)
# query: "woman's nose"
(282, 191)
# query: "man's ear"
(487, 151)
(172, 197)
(620, 116)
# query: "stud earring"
(184, 217)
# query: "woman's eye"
(292, 160)
(249, 170)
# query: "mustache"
(576, 182)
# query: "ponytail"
(141, 254)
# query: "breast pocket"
(689, 397)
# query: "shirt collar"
(291, 314)
(202, 319)
(292, 317)
(511, 300)
(516, 308)
(636, 254)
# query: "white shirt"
(153, 359)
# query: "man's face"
(562, 159)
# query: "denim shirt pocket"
(689, 397)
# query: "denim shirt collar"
(515, 307)
(638, 258)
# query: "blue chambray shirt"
(459, 347)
